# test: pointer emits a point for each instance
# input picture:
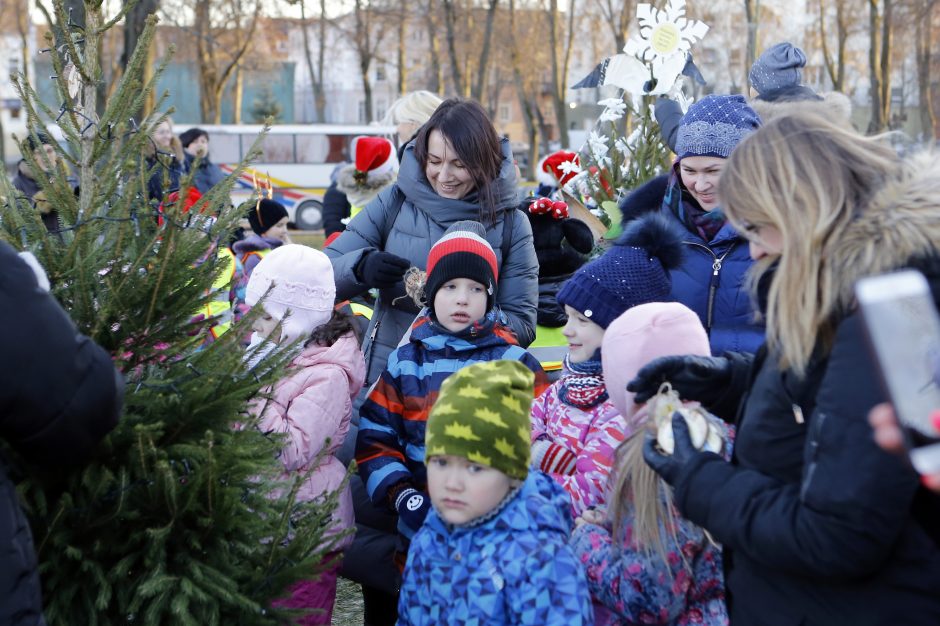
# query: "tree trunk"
(885, 62)
(449, 19)
(477, 92)
(401, 60)
(752, 14)
(877, 122)
(435, 79)
(133, 27)
(239, 96)
(559, 88)
(923, 37)
(528, 116)
(319, 97)
(311, 73)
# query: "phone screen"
(904, 330)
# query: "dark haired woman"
(456, 168)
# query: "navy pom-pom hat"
(634, 271)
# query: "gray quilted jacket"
(422, 219)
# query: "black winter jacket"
(60, 395)
(819, 525)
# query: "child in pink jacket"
(313, 403)
(575, 427)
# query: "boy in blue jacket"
(493, 549)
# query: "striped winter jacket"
(390, 442)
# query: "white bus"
(299, 158)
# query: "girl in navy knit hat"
(575, 427)
(268, 219)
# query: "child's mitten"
(412, 507)
(553, 458)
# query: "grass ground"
(312, 238)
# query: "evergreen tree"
(180, 517)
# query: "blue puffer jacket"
(710, 281)
(513, 568)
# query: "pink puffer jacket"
(312, 405)
(592, 436)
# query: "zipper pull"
(716, 267)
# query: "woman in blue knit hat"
(710, 278)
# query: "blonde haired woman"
(410, 112)
(164, 159)
(819, 525)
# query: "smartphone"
(903, 329)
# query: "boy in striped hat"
(458, 327)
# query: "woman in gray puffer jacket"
(455, 169)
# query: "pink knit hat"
(644, 333)
(302, 280)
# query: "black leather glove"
(381, 269)
(669, 466)
(412, 507)
(700, 378)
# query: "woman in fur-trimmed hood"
(819, 525)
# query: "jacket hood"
(344, 353)
(444, 211)
(358, 194)
(899, 225)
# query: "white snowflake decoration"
(569, 167)
(614, 108)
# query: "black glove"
(412, 507)
(381, 269)
(700, 378)
(666, 465)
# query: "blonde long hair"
(810, 178)
(637, 491)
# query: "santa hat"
(374, 157)
(551, 172)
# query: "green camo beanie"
(482, 415)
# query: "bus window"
(278, 149)
(312, 149)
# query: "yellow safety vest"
(360, 310)
(549, 347)
(219, 306)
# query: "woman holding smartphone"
(819, 525)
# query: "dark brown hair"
(466, 126)
(327, 334)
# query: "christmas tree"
(180, 517)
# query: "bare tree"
(314, 70)
(435, 75)
(752, 15)
(561, 59)
(450, 19)
(369, 29)
(922, 45)
(481, 73)
(401, 60)
(134, 22)
(879, 63)
(835, 62)
(617, 16)
(526, 85)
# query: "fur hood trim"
(900, 224)
(361, 194)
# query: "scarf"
(696, 219)
(583, 386)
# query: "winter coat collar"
(676, 193)
(540, 503)
(255, 242)
(444, 211)
(900, 224)
(344, 353)
(483, 334)
(358, 194)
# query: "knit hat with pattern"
(779, 66)
(462, 252)
(300, 280)
(265, 214)
(714, 125)
(632, 272)
(482, 415)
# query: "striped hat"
(463, 252)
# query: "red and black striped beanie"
(463, 252)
